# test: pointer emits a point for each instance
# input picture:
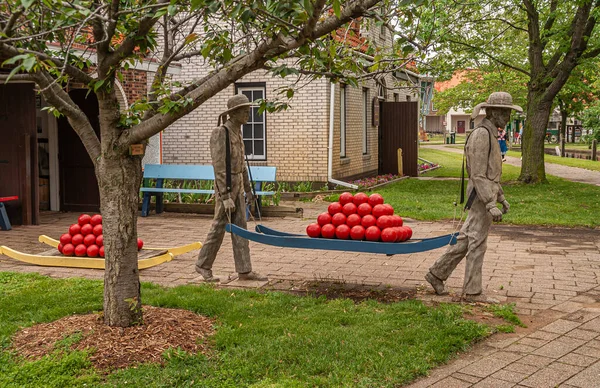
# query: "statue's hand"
(496, 214)
(229, 205)
(505, 207)
(249, 198)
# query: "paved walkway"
(574, 174)
(551, 274)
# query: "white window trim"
(263, 157)
(365, 120)
(343, 120)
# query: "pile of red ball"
(85, 238)
(360, 217)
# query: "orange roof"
(457, 78)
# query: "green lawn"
(560, 202)
(571, 162)
(269, 339)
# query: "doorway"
(399, 128)
(460, 126)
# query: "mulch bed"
(116, 347)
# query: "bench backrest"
(202, 172)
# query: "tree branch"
(536, 58)
(492, 57)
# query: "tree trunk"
(534, 133)
(119, 179)
(563, 129)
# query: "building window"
(381, 90)
(365, 119)
(407, 98)
(396, 97)
(254, 132)
(342, 121)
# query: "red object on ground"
(140, 244)
(313, 230)
(8, 199)
(84, 219)
(93, 250)
(74, 229)
(375, 199)
(68, 250)
(372, 233)
(378, 211)
(368, 220)
(65, 239)
(357, 232)
(324, 219)
(100, 240)
(96, 220)
(88, 240)
(389, 235)
(60, 247)
(101, 252)
(328, 231)
(97, 230)
(77, 239)
(385, 222)
(342, 232)
(334, 208)
(364, 209)
(349, 208)
(409, 232)
(403, 233)
(389, 209)
(346, 198)
(338, 219)
(353, 220)
(87, 229)
(80, 250)
(398, 233)
(397, 220)
(360, 198)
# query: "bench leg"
(159, 203)
(258, 211)
(4, 221)
(146, 205)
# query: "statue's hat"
(236, 102)
(496, 100)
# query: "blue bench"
(160, 172)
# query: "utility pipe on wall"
(330, 146)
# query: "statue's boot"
(207, 274)
(436, 283)
(251, 276)
(479, 298)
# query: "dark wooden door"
(78, 183)
(18, 152)
(460, 127)
(398, 128)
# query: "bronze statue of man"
(484, 166)
(232, 191)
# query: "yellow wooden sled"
(147, 257)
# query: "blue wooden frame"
(273, 237)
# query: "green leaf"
(290, 93)
(26, 3)
(337, 8)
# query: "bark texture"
(538, 113)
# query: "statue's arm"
(477, 151)
(217, 154)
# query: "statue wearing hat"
(484, 166)
(232, 191)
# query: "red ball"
(368, 220)
(96, 220)
(88, 240)
(68, 250)
(389, 235)
(357, 232)
(334, 208)
(402, 233)
(74, 229)
(77, 239)
(379, 210)
(353, 220)
(364, 209)
(93, 250)
(313, 230)
(397, 220)
(349, 208)
(398, 233)
(97, 230)
(375, 199)
(60, 247)
(338, 219)
(360, 198)
(409, 232)
(100, 240)
(389, 209)
(65, 239)
(324, 219)
(342, 232)
(140, 244)
(328, 231)
(385, 222)
(84, 219)
(80, 250)
(101, 252)
(346, 198)
(372, 233)
(87, 229)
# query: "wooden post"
(594, 146)
(26, 181)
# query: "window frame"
(254, 86)
(365, 120)
(343, 119)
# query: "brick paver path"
(550, 273)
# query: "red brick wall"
(135, 84)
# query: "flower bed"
(424, 167)
(366, 183)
